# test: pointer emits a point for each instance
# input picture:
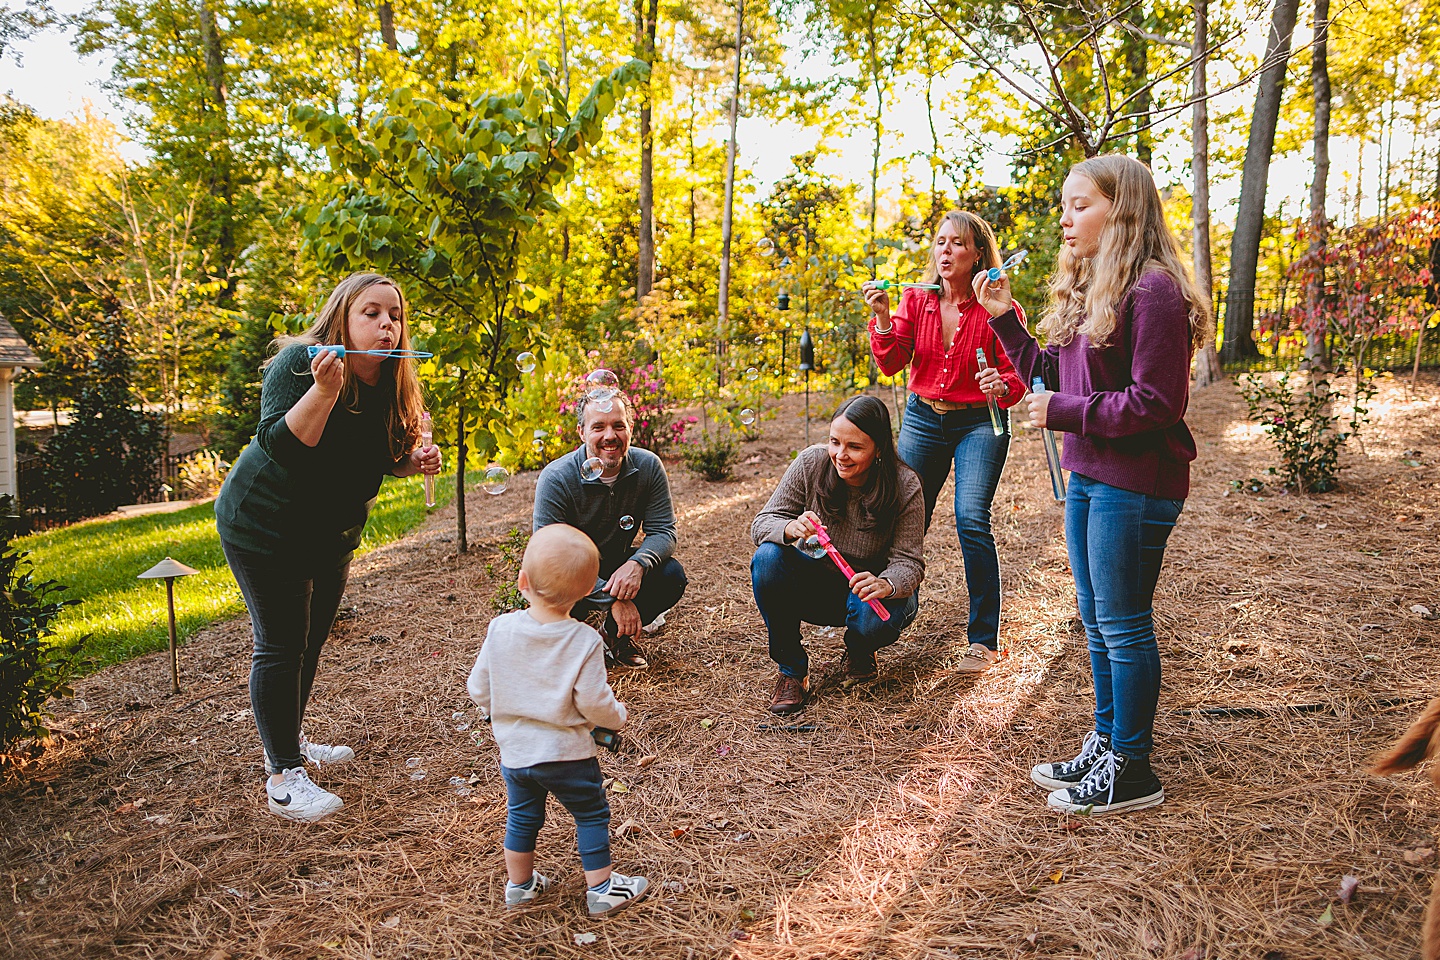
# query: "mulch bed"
(903, 825)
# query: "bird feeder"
(807, 363)
(170, 569)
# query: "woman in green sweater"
(293, 508)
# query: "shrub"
(1304, 425)
(201, 474)
(713, 456)
(506, 567)
(32, 670)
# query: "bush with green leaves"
(1303, 423)
(712, 455)
(32, 669)
(110, 453)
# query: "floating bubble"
(752, 374)
(457, 781)
(627, 522)
(538, 444)
(526, 362)
(417, 774)
(759, 341)
(413, 762)
(592, 468)
(496, 480)
(462, 791)
(747, 416)
(765, 247)
(601, 384)
(461, 727)
(458, 715)
(605, 405)
(811, 547)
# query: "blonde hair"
(402, 419)
(561, 564)
(982, 238)
(1085, 295)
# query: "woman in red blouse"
(947, 417)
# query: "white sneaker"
(316, 753)
(622, 892)
(321, 753)
(654, 626)
(296, 797)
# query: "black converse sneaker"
(1115, 784)
(1067, 773)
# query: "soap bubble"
(627, 522)
(417, 774)
(496, 480)
(592, 468)
(752, 374)
(413, 762)
(606, 405)
(811, 547)
(747, 416)
(765, 246)
(759, 341)
(601, 384)
(526, 362)
(457, 781)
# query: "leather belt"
(948, 406)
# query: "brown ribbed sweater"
(896, 552)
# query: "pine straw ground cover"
(905, 825)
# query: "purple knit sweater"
(1122, 406)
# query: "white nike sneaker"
(296, 797)
(321, 753)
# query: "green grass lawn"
(98, 562)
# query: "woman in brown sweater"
(873, 508)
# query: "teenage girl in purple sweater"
(1123, 320)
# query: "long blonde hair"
(982, 238)
(1085, 295)
(402, 418)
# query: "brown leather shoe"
(624, 652)
(790, 695)
(845, 672)
(977, 659)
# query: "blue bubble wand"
(1014, 260)
(339, 350)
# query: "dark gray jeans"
(292, 606)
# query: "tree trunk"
(723, 319)
(1250, 221)
(645, 50)
(871, 251)
(387, 25)
(1207, 361)
(222, 187)
(564, 57)
(1319, 224)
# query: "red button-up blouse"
(937, 373)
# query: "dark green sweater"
(288, 500)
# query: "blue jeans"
(929, 443)
(578, 787)
(1116, 541)
(292, 606)
(791, 587)
(660, 589)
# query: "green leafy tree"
(110, 453)
(444, 199)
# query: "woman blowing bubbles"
(947, 419)
(1123, 320)
(294, 506)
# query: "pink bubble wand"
(846, 569)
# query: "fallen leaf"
(746, 913)
(707, 723)
(679, 832)
(627, 828)
(1057, 876)
(1423, 610)
(723, 750)
(582, 939)
(617, 786)
(1348, 883)
(645, 761)
(739, 935)
(159, 819)
(391, 922)
(1418, 855)
(1328, 917)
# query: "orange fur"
(1419, 742)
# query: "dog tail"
(1419, 742)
